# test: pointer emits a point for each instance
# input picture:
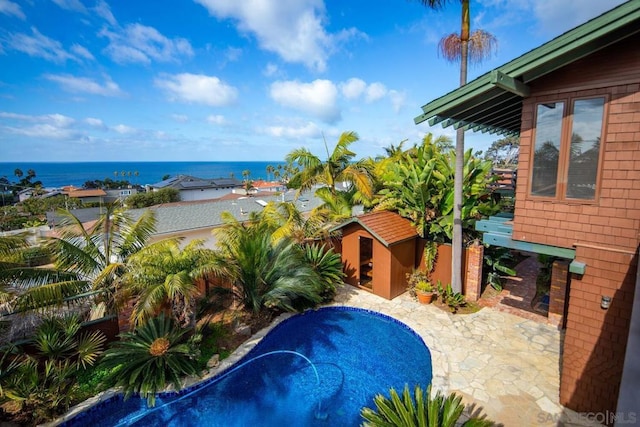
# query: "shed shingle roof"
(388, 227)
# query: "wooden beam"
(505, 240)
(509, 84)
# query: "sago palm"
(156, 354)
(418, 410)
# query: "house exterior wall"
(605, 232)
(205, 234)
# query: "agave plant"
(148, 359)
(420, 410)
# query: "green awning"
(493, 101)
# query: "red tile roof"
(87, 193)
(388, 227)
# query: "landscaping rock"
(214, 361)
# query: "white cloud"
(45, 131)
(197, 88)
(353, 88)
(124, 129)
(271, 70)
(216, 119)
(180, 118)
(86, 85)
(47, 126)
(293, 29)
(232, 54)
(375, 91)
(56, 119)
(138, 43)
(308, 130)
(38, 45)
(12, 9)
(398, 100)
(318, 98)
(74, 5)
(104, 11)
(81, 51)
(93, 122)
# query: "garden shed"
(378, 250)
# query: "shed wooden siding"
(390, 265)
(606, 232)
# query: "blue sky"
(216, 80)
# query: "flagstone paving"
(504, 365)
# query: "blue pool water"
(355, 353)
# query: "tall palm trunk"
(456, 259)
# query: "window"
(567, 149)
(125, 192)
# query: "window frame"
(562, 177)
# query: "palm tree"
(89, 258)
(164, 277)
(337, 168)
(461, 47)
(270, 170)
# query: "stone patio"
(502, 364)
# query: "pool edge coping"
(191, 383)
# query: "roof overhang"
(493, 102)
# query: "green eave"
(493, 102)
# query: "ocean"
(55, 175)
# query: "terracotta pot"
(424, 297)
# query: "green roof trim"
(493, 102)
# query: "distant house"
(25, 194)
(192, 188)
(268, 186)
(575, 103)
(119, 194)
(87, 196)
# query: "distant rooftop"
(188, 182)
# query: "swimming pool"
(318, 368)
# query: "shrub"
(143, 200)
(44, 384)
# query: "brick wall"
(604, 232)
(558, 292)
(595, 340)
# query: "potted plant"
(424, 291)
(420, 286)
